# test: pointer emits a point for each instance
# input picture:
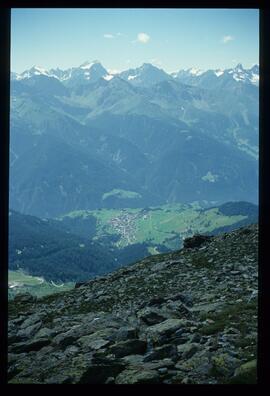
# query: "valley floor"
(20, 282)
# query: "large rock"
(31, 320)
(150, 316)
(157, 364)
(138, 376)
(44, 332)
(156, 301)
(133, 360)
(223, 365)
(25, 298)
(165, 351)
(246, 368)
(126, 333)
(186, 351)
(196, 241)
(93, 341)
(178, 309)
(29, 331)
(79, 330)
(246, 373)
(162, 331)
(199, 364)
(104, 337)
(79, 284)
(64, 339)
(32, 345)
(98, 374)
(129, 347)
(185, 298)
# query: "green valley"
(21, 282)
(83, 244)
(159, 227)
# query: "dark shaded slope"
(40, 248)
(54, 178)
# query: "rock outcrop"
(185, 317)
(196, 241)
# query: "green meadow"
(20, 282)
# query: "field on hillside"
(20, 282)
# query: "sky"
(171, 39)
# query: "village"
(125, 225)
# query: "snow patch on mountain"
(238, 73)
(87, 65)
(196, 72)
(132, 77)
(238, 77)
(108, 77)
(254, 78)
(34, 71)
(210, 177)
(219, 73)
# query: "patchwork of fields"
(167, 225)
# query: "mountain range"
(79, 135)
(146, 74)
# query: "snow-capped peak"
(40, 70)
(245, 75)
(113, 71)
(255, 69)
(238, 73)
(239, 67)
(254, 78)
(195, 71)
(34, 71)
(88, 65)
(148, 66)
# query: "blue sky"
(172, 39)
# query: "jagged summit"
(148, 65)
(33, 71)
(184, 317)
(195, 71)
(212, 78)
(255, 69)
(239, 66)
(145, 75)
(88, 64)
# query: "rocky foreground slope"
(185, 317)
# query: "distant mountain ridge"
(93, 70)
(199, 77)
(80, 134)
